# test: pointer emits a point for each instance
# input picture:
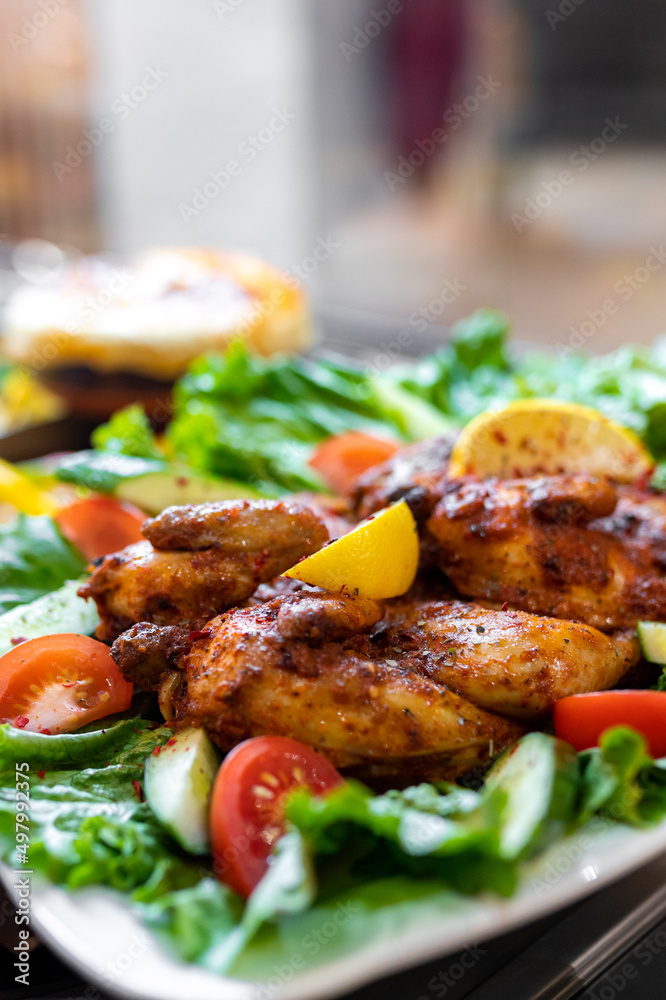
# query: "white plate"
(95, 933)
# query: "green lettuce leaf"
(128, 432)
(352, 868)
(257, 420)
(103, 471)
(288, 888)
(480, 341)
(34, 560)
(88, 823)
(620, 780)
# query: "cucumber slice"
(60, 611)
(153, 491)
(178, 783)
(539, 777)
(652, 637)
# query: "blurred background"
(402, 156)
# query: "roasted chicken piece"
(416, 473)
(202, 559)
(416, 690)
(568, 546)
(510, 662)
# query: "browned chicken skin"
(415, 473)
(203, 559)
(418, 694)
(568, 546)
(417, 688)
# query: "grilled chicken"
(198, 560)
(568, 546)
(415, 690)
(416, 474)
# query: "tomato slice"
(247, 808)
(580, 719)
(342, 459)
(57, 683)
(99, 525)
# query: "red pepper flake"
(41, 774)
(182, 481)
(200, 634)
(69, 684)
(499, 436)
(46, 732)
(153, 725)
(137, 788)
(505, 606)
(261, 560)
(21, 721)
(16, 640)
(170, 743)
(642, 482)
(157, 751)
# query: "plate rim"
(612, 854)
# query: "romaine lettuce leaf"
(128, 432)
(257, 420)
(104, 470)
(356, 862)
(34, 560)
(88, 823)
(620, 780)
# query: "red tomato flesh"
(580, 719)
(247, 808)
(58, 683)
(100, 525)
(342, 459)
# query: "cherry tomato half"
(580, 719)
(100, 525)
(340, 460)
(58, 683)
(247, 809)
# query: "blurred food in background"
(24, 402)
(415, 159)
(104, 332)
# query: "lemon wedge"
(533, 436)
(377, 559)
